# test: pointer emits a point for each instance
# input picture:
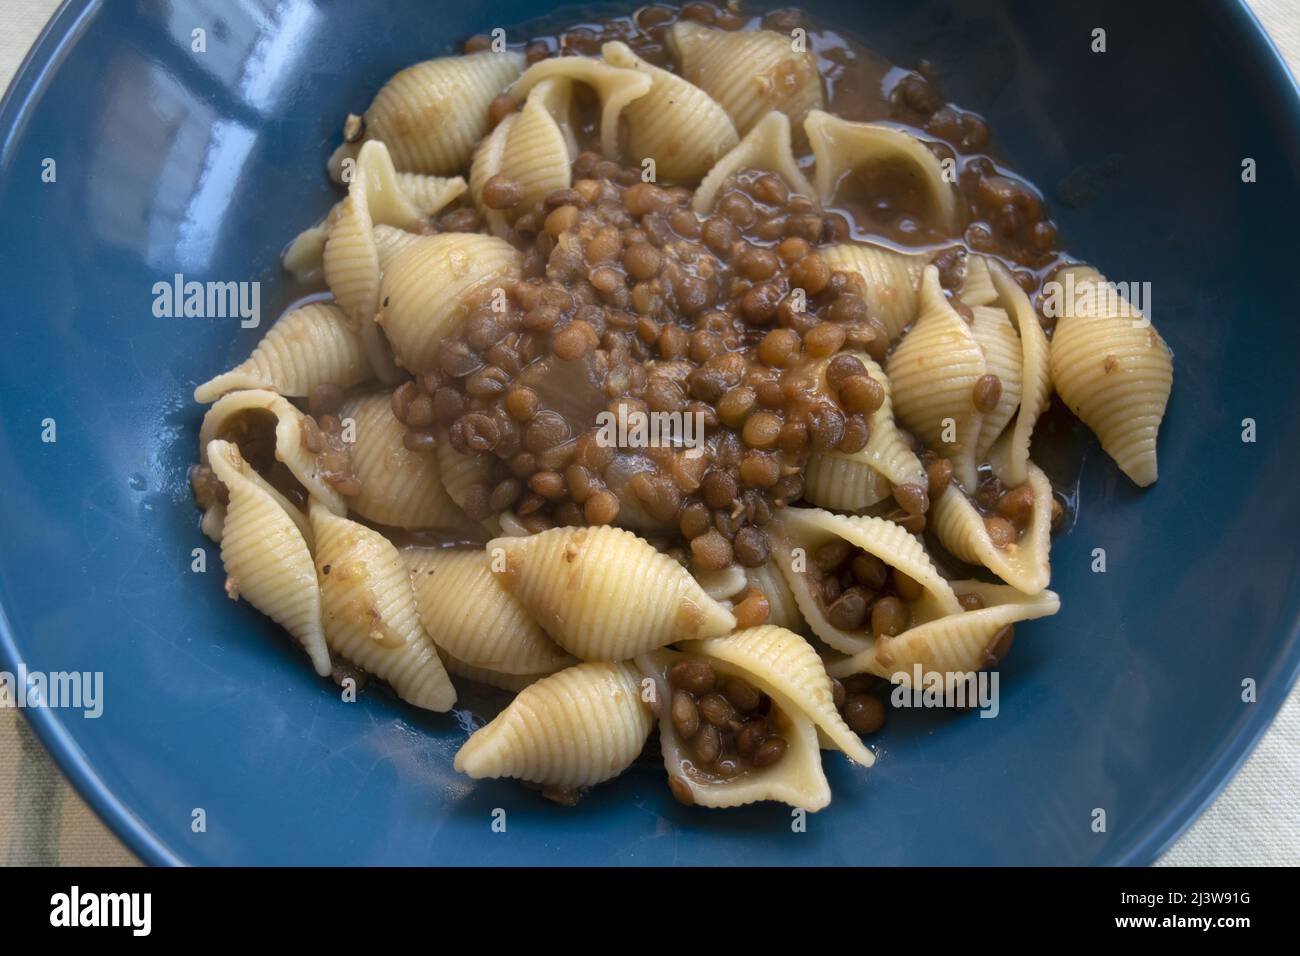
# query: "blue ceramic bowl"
(169, 161)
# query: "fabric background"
(1255, 821)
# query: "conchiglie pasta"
(266, 557)
(891, 280)
(1036, 382)
(430, 115)
(614, 87)
(309, 346)
(468, 614)
(787, 668)
(675, 123)
(843, 147)
(1000, 344)
(953, 645)
(796, 535)
(427, 286)
(304, 256)
(783, 608)
(399, 487)
(767, 148)
(529, 148)
(1112, 369)
(369, 613)
(1024, 563)
(855, 481)
(464, 476)
(748, 73)
(934, 370)
(603, 593)
(257, 416)
(576, 728)
(389, 242)
(513, 683)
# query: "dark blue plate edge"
(63, 28)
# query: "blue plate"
(170, 161)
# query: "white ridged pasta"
(267, 559)
(977, 286)
(797, 533)
(1112, 369)
(615, 87)
(786, 667)
(399, 487)
(953, 645)
(1036, 387)
(768, 579)
(676, 124)
(461, 473)
(892, 280)
(767, 148)
(531, 149)
(351, 262)
(723, 583)
(389, 242)
(852, 482)
(369, 614)
(429, 195)
(841, 147)
(748, 73)
(576, 728)
(304, 256)
(797, 779)
(310, 346)
(605, 594)
(233, 416)
(1000, 343)
(428, 284)
(482, 675)
(1024, 563)
(933, 371)
(468, 614)
(431, 114)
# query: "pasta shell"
(934, 370)
(749, 73)
(977, 288)
(784, 612)
(676, 124)
(309, 346)
(399, 487)
(389, 242)
(852, 482)
(429, 195)
(953, 645)
(841, 147)
(1000, 343)
(766, 147)
(1112, 369)
(472, 617)
(807, 529)
(305, 255)
(431, 114)
(430, 283)
(891, 280)
(724, 583)
(615, 88)
(351, 262)
(787, 668)
(235, 417)
(266, 557)
(462, 475)
(605, 594)
(1036, 379)
(1023, 564)
(369, 613)
(576, 728)
(531, 149)
(482, 675)
(797, 779)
